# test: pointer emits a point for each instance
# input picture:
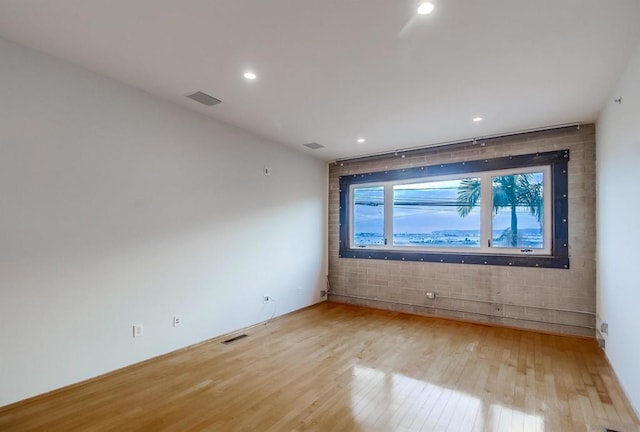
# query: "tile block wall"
(554, 300)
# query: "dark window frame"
(559, 258)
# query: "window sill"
(520, 260)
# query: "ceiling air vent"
(313, 146)
(204, 99)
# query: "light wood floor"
(341, 368)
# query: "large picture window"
(504, 211)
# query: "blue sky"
(438, 207)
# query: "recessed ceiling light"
(477, 119)
(425, 8)
(250, 75)
(361, 140)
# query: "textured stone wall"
(555, 300)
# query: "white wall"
(119, 208)
(618, 206)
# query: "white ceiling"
(330, 71)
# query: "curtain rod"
(469, 142)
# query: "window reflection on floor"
(507, 419)
(394, 402)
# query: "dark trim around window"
(559, 258)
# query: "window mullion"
(486, 208)
(388, 214)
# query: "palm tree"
(510, 191)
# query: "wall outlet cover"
(138, 330)
(177, 320)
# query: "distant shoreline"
(528, 237)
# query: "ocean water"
(527, 238)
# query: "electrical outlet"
(266, 298)
(137, 330)
(177, 320)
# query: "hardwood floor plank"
(336, 367)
